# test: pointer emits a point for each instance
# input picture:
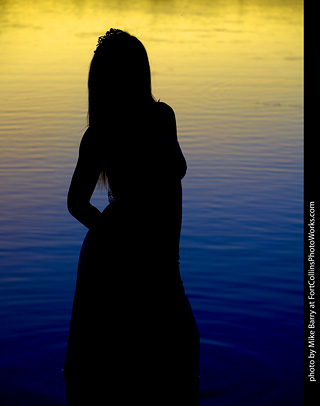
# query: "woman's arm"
(83, 183)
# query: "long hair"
(119, 76)
(119, 83)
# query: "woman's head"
(119, 75)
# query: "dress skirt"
(133, 337)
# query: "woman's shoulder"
(90, 137)
(90, 145)
(166, 115)
(165, 109)
(86, 139)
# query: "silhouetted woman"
(132, 335)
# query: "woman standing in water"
(132, 337)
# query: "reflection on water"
(233, 73)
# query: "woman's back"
(143, 153)
(144, 167)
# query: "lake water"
(232, 71)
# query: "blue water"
(240, 129)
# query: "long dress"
(133, 337)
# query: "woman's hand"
(83, 183)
